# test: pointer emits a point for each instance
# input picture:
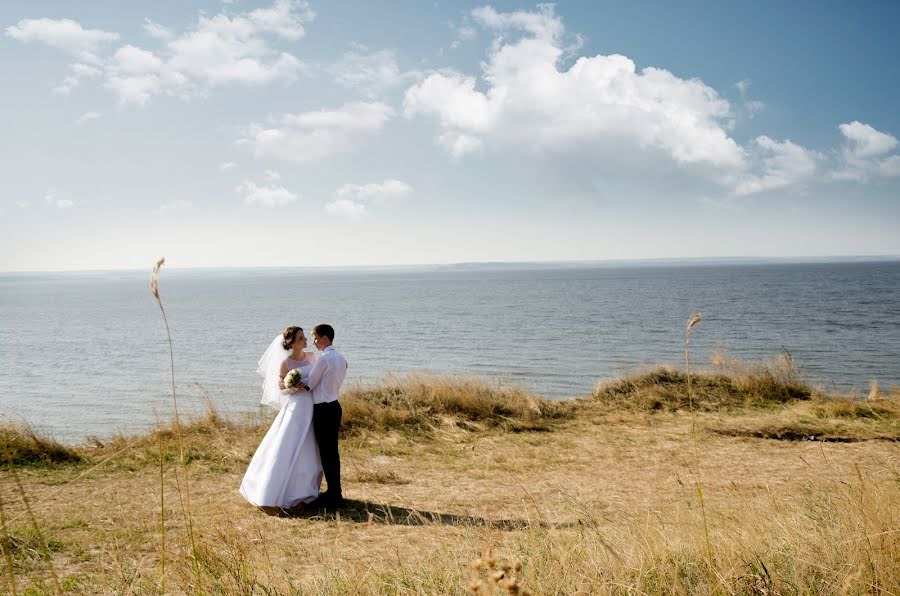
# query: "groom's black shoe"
(328, 501)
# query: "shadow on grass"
(790, 434)
(367, 512)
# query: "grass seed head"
(693, 321)
(154, 277)
(873, 391)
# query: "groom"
(325, 384)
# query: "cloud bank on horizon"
(536, 97)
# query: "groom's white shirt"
(327, 375)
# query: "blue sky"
(287, 133)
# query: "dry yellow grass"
(600, 501)
(422, 403)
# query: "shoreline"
(199, 404)
(729, 390)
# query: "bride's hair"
(289, 334)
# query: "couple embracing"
(302, 443)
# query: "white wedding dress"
(286, 469)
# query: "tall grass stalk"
(186, 500)
(162, 517)
(865, 529)
(6, 547)
(37, 529)
(687, 364)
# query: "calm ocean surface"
(86, 354)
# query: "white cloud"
(453, 98)
(173, 206)
(133, 60)
(783, 164)
(157, 31)
(271, 175)
(543, 24)
(225, 49)
(285, 18)
(602, 105)
(23, 204)
(218, 50)
(353, 200)
(603, 117)
(463, 32)
(346, 208)
(267, 196)
(88, 116)
(52, 198)
(753, 107)
(79, 71)
(66, 85)
(310, 136)
(228, 165)
(466, 33)
(375, 193)
(865, 141)
(890, 167)
(63, 34)
(863, 155)
(369, 72)
(85, 70)
(459, 144)
(136, 75)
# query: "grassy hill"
(735, 480)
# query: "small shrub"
(666, 389)
(23, 446)
(420, 403)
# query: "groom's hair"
(324, 330)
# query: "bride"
(285, 471)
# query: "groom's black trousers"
(327, 424)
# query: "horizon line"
(555, 262)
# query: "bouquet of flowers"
(294, 379)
